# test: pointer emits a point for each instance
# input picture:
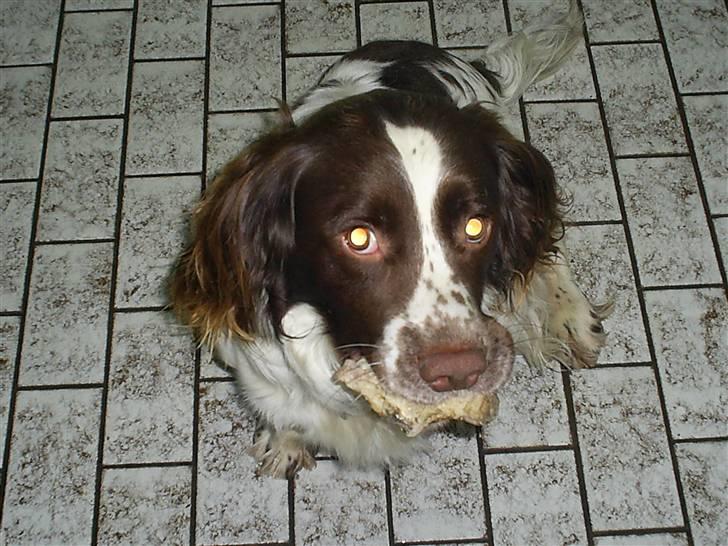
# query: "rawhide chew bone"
(474, 408)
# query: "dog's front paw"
(280, 454)
(578, 325)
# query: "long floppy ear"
(242, 233)
(531, 222)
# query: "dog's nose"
(450, 371)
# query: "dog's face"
(398, 219)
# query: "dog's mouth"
(437, 366)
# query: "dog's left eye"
(476, 229)
(362, 240)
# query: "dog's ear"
(243, 230)
(530, 215)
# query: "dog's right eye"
(362, 240)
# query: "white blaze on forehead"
(422, 160)
(423, 165)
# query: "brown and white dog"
(391, 217)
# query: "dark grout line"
(315, 54)
(19, 181)
(11, 313)
(582, 223)
(719, 215)
(691, 147)
(560, 101)
(99, 10)
(292, 511)
(653, 288)
(706, 439)
(25, 65)
(225, 379)
(160, 464)
(487, 514)
(652, 155)
(443, 542)
(29, 267)
(284, 82)
(74, 242)
(578, 462)
(388, 502)
(524, 449)
(703, 93)
(640, 532)
(245, 111)
(625, 42)
(248, 4)
(114, 276)
(90, 117)
(60, 387)
(164, 175)
(357, 21)
(143, 309)
(621, 365)
(168, 59)
(433, 22)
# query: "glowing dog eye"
(476, 229)
(362, 240)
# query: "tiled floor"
(114, 114)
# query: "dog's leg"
(280, 453)
(551, 319)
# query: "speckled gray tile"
(619, 21)
(65, 332)
(29, 31)
(52, 468)
(438, 495)
(708, 119)
(92, 64)
(211, 367)
(17, 201)
(522, 488)
(695, 31)
(660, 539)
(572, 138)
(313, 27)
(336, 505)
(154, 230)
(9, 327)
(81, 180)
(665, 214)
(228, 134)
(601, 266)
(87, 5)
(629, 477)
(467, 23)
(721, 230)
(23, 106)
(689, 330)
(145, 506)
(232, 504)
(574, 79)
(250, 37)
(638, 99)
(175, 28)
(151, 390)
(532, 410)
(405, 21)
(704, 476)
(302, 73)
(165, 125)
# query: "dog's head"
(397, 218)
